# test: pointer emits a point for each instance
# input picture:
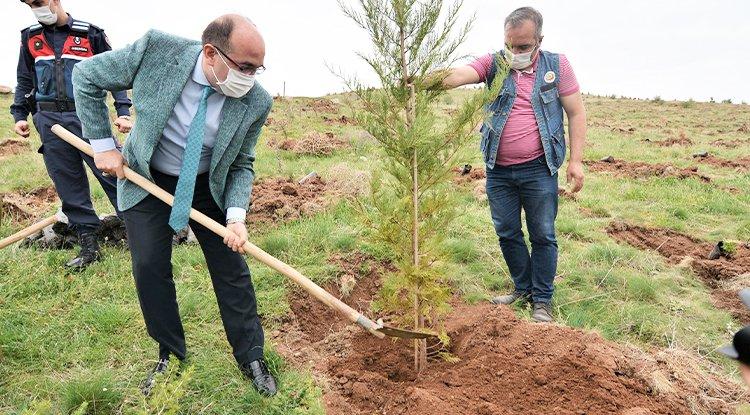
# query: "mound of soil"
(730, 143)
(10, 147)
(315, 144)
(24, 206)
(504, 366)
(742, 163)
(321, 105)
(342, 120)
(681, 140)
(680, 248)
(468, 174)
(356, 284)
(628, 130)
(641, 170)
(111, 232)
(564, 193)
(278, 199)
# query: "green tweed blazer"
(156, 67)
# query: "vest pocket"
(552, 108)
(549, 96)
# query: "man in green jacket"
(200, 113)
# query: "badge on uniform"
(550, 77)
(77, 40)
(37, 45)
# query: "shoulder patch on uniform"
(80, 26)
(32, 28)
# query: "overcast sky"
(676, 49)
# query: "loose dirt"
(677, 248)
(505, 365)
(641, 170)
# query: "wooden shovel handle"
(315, 290)
(28, 231)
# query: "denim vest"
(545, 100)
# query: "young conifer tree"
(412, 204)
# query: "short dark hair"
(520, 15)
(217, 33)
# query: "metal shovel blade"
(403, 333)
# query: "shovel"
(377, 329)
(28, 231)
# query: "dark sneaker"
(258, 373)
(511, 298)
(159, 369)
(89, 252)
(542, 313)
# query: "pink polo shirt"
(520, 140)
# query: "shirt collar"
(198, 75)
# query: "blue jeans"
(529, 186)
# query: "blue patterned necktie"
(183, 195)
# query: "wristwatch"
(235, 220)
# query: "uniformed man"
(49, 50)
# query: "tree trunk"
(420, 346)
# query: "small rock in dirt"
(608, 159)
(660, 383)
(466, 169)
(702, 154)
(669, 171)
(347, 283)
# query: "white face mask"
(519, 61)
(237, 83)
(44, 15)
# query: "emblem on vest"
(38, 45)
(77, 40)
(79, 49)
(550, 77)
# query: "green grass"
(76, 342)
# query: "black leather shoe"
(257, 371)
(89, 252)
(159, 369)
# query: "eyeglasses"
(246, 69)
(520, 48)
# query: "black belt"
(57, 106)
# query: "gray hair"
(520, 15)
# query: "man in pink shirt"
(523, 144)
